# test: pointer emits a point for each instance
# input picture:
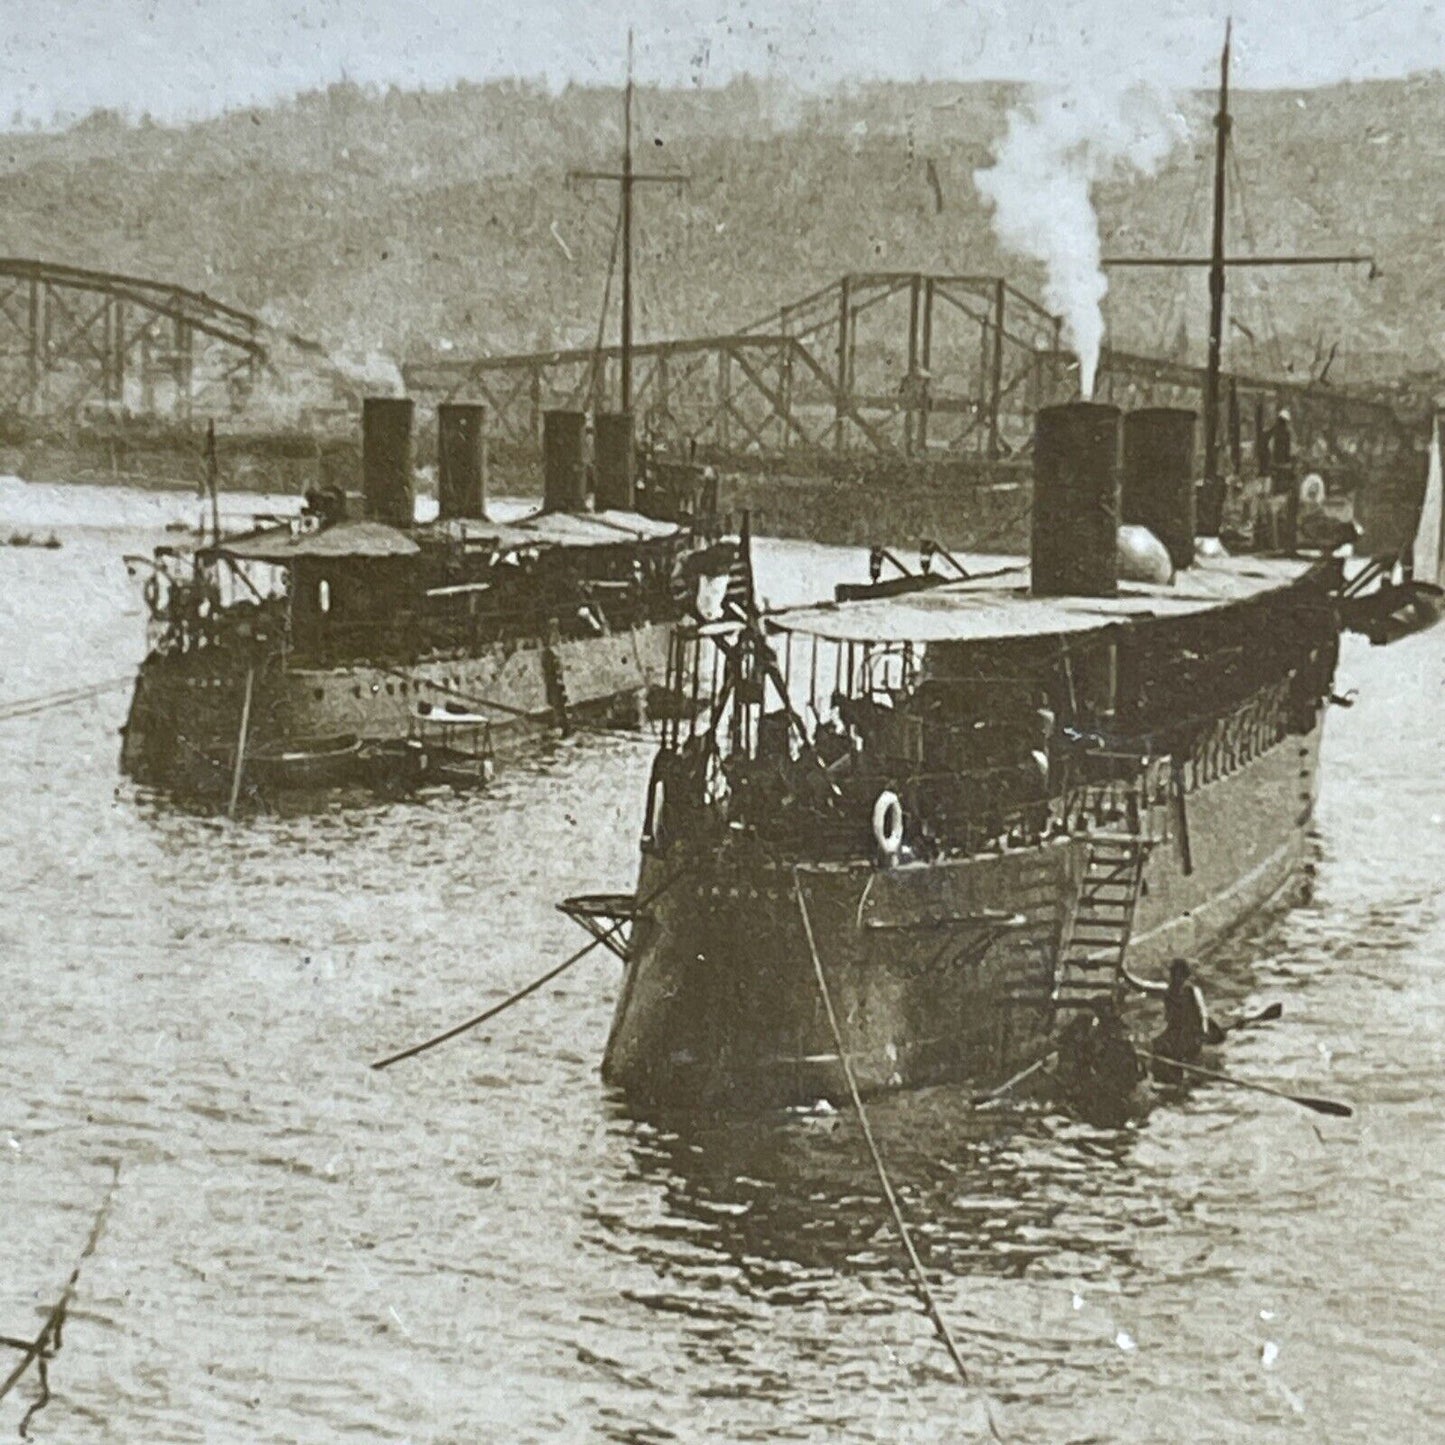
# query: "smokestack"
(387, 471)
(614, 461)
(1158, 483)
(564, 477)
(1076, 501)
(461, 459)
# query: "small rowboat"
(307, 762)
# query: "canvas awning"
(281, 545)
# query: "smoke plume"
(373, 373)
(1040, 187)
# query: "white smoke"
(373, 373)
(1040, 187)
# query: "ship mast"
(1212, 488)
(627, 184)
(1218, 263)
(627, 178)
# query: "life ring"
(1312, 490)
(656, 815)
(888, 823)
(151, 593)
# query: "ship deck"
(999, 605)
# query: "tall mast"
(1216, 300)
(627, 179)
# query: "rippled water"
(479, 1244)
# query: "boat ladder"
(1091, 958)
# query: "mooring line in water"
(535, 984)
(41, 1349)
(64, 697)
(925, 1291)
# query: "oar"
(993, 1095)
(1218, 1032)
(1307, 1101)
(1267, 1015)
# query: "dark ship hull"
(451, 643)
(184, 721)
(953, 818)
(943, 970)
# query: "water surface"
(480, 1245)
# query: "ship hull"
(938, 972)
(185, 715)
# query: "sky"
(181, 59)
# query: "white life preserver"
(888, 824)
(656, 817)
(1312, 490)
(151, 593)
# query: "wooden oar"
(1268, 1014)
(1307, 1101)
(1219, 1032)
(993, 1095)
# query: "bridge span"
(75, 342)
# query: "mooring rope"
(40, 1350)
(540, 981)
(63, 697)
(920, 1279)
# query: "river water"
(480, 1245)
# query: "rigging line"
(1177, 297)
(606, 303)
(29, 707)
(542, 979)
(1251, 237)
(920, 1279)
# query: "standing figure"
(1187, 1025)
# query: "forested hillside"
(407, 222)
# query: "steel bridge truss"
(830, 373)
(74, 340)
(894, 363)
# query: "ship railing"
(1141, 802)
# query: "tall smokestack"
(1158, 482)
(614, 461)
(564, 475)
(1076, 501)
(461, 459)
(387, 470)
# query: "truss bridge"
(889, 364)
(75, 343)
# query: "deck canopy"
(281, 545)
(560, 529)
(1000, 605)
